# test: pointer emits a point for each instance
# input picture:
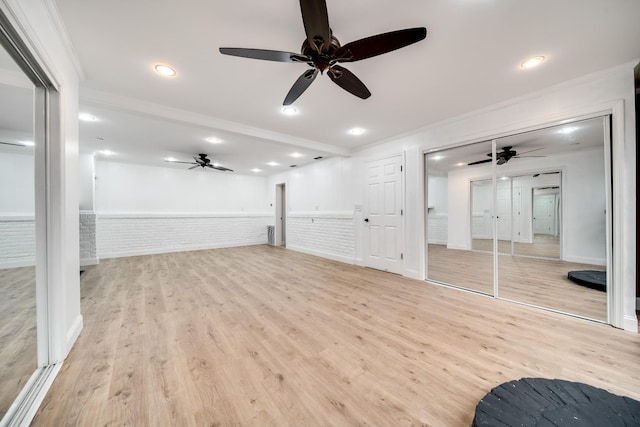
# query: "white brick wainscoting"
(17, 241)
(120, 235)
(438, 229)
(88, 242)
(326, 234)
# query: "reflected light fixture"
(28, 143)
(86, 117)
(438, 157)
(256, 170)
(296, 155)
(289, 110)
(356, 131)
(164, 70)
(273, 164)
(214, 140)
(534, 61)
(106, 152)
(460, 164)
(171, 159)
(567, 130)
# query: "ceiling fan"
(202, 162)
(504, 156)
(322, 51)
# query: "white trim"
(85, 262)
(150, 109)
(143, 215)
(321, 214)
(585, 260)
(173, 249)
(630, 323)
(74, 332)
(321, 254)
(61, 30)
(18, 263)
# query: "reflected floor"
(539, 282)
(543, 245)
(18, 351)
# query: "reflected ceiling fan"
(202, 162)
(504, 156)
(322, 51)
(15, 145)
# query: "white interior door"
(503, 210)
(544, 214)
(383, 215)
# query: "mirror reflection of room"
(18, 340)
(545, 211)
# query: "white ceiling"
(470, 59)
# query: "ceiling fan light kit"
(322, 51)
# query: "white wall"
(37, 22)
(598, 93)
(128, 188)
(148, 209)
(320, 208)
(86, 173)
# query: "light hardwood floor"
(18, 346)
(539, 282)
(263, 336)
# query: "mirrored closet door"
(23, 317)
(537, 208)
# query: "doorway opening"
(281, 215)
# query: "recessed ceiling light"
(273, 164)
(460, 164)
(165, 70)
(532, 62)
(438, 157)
(256, 170)
(356, 131)
(289, 110)
(170, 159)
(106, 152)
(86, 117)
(217, 165)
(296, 155)
(504, 178)
(28, 143)
(214, 140)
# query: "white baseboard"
(585, 260)
(412, 274)
(630, 323)
(89, 261)
(438, 242)
(73, 334)
(334, 257)
(168, 250)
(17, 263)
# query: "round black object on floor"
(590, 278)
(541, 402)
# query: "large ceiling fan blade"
(379, 44)
(193, 167)
(220, 168)
(175, 161)
(531, 151)
(316, 24)
(266, 55)
(10, 143)
(479, 161)
(298, 88)
(348, 81)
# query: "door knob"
(366, 220)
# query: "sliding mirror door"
(18, 333)
(558, 208)
(459, 225)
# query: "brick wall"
(330, 235)
(17, 241)
(88, 248)
(121, 235)
(438, 229)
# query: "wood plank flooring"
(263, 336)
(18, 340)
(533, 281)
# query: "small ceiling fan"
(504, 156)
(322, 51)
(202, 162)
